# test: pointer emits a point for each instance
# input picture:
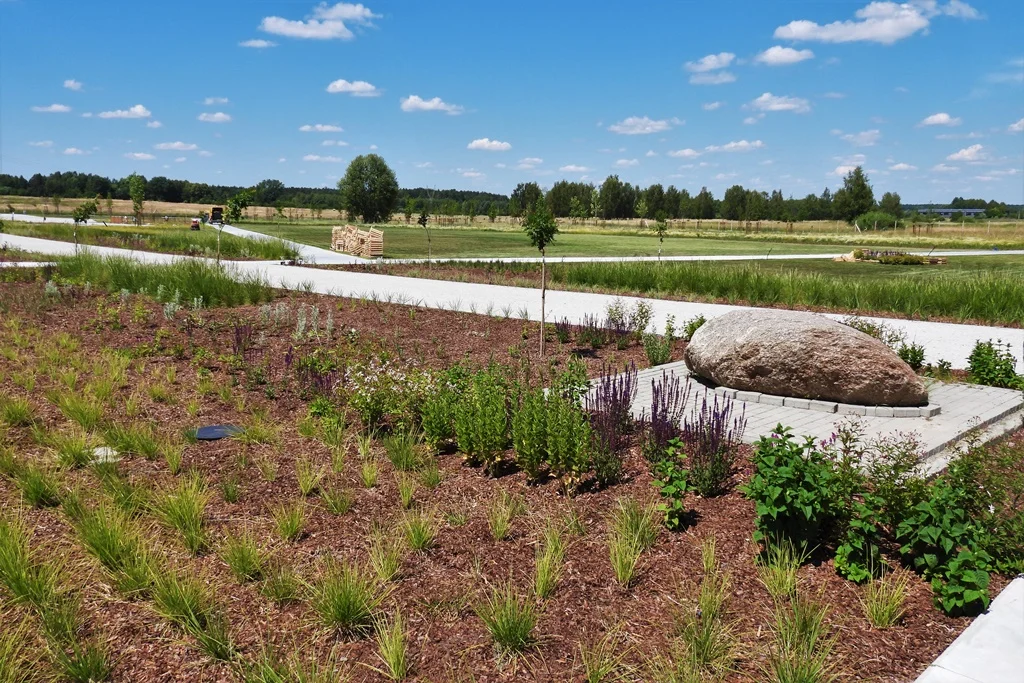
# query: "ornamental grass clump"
(510, 619)
(345, 597)
(184, 508)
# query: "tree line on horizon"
(613, 199)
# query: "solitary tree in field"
(82, 213)
(424, 221)
(540, 226)
(855, 197)
(410, 206)
(469, 208)
(235, 206)
(110, 205)
(660, 229)
(641, 211)
(57, 199)
(137, 192)
(492, 212)
(369, 189)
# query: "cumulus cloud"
(73, 151)
(154, 124)
(334, 143)
(710, 69)
(471, 173)
(867, 138)
(328, 22)
(736, 146)
(177, 146)
(42, 143)
(317, 157)
(320, 128)
(139, 156)
(711, 106)
(257, 43)
(782, 56)
(72, 84)
(136, 112)
(52, 109)
(684, 153)
(626, 163)
(354, 88)
(180, 159)
(751, 120)
(972, 153)
(842, 170)
(529, 163)
(902, 167)
(712, 78)
(215, 100)
(642, 125)
(214, 117)
(488, 145)
(943, 168)
(769, 102)
(417, 103)
(573, 168)
(1017, 127)
(204, 153)
(879, 22)
(941, 119)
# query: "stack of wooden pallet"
(352, 240)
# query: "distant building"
(946, 213)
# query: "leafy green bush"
(481, 419)
(530, 435)
(912, 355)
(991, 363)
(569, 439)
(659, 349)
(692, 325)
(671, 480)
(438, 410)
(876, 220)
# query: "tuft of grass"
(364, 443)
(777, 568)
(368, 473)
(280, 583)
(430, 473)
(108, 533)
(72, 450)
(336, 499)
(173, 455)
(601, 661)
(884, 600)
(802, 649)
(28, 581)
(186, 601)
(550, 554)
(19, 660)
(406, 490)
(385, 557)
(290, 520)
(184, 508)
(268, 667)
(81, 409)
(308, 475)
(420, 529)
(82, 662)
(345, 597)
(134, 439)
(10, 464)
(231, 488)
(504, 508)
(259, 431)
(509, 618)
(403, 451)
(708, 641)
(268, 468)
(633, 530)
(16, 412)
(39, 486)
(125, 493)
(392, 646)
(574, 522)
(338, 457)
(244, 556)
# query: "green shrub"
(509, 618)
(569, 439)
(692, 325)
(659, 349)
(671, 481)
(481, 419)
(912, 355)
(438, 410)
(991, 363)
(529, 433)
(876, 220)
(345, 597)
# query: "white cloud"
(320, 128)
(215, 117)
(215, 100)
(472, 174)
(879, 22)
(710, 63)
(711, 106)
(72, 84)
(334, 143)
(73, 151)
(373, 147)
(180, 159)
(941, 119)
(139, 156)
(867, 138)
(943, 168)
(842, 170)
(42, 143)
(317, 157)
(626, 163)
(424, 164)
(1017, 127)
(154, 124)
(641, 125)
(736, 146)
(972, 153)
(902, 167)
(573, 168)
(354, 88)
(684, 153)
(257, 43)
(326, 23)
(529, 163)
(53, 109)
(135, 112)
(751, 120)
(770, 102)
(782, 56)
(204, 153)
(417, 103)
(724, 176)
(651, 153)
(985, 178)
(712, 78)
(281, 160)
(87, 115)
(177, 146)
(489, 145)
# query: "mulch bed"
(437, 588)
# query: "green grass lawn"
(410, 242)
(958, 267)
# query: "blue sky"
(927, 95)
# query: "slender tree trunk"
(543, 291)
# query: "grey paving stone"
(906, 412)
(850, 409)
(930, 410)
(748, 396)
(881, 411)
(769, 400)
(725, 391)
(796, 403)
(823, 406)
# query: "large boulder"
(803, 355)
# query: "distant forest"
(612, 199)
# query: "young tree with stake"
(660, 229)
(540, 226)
(424, 221)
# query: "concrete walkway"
(942, 341)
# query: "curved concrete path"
(942, 341)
